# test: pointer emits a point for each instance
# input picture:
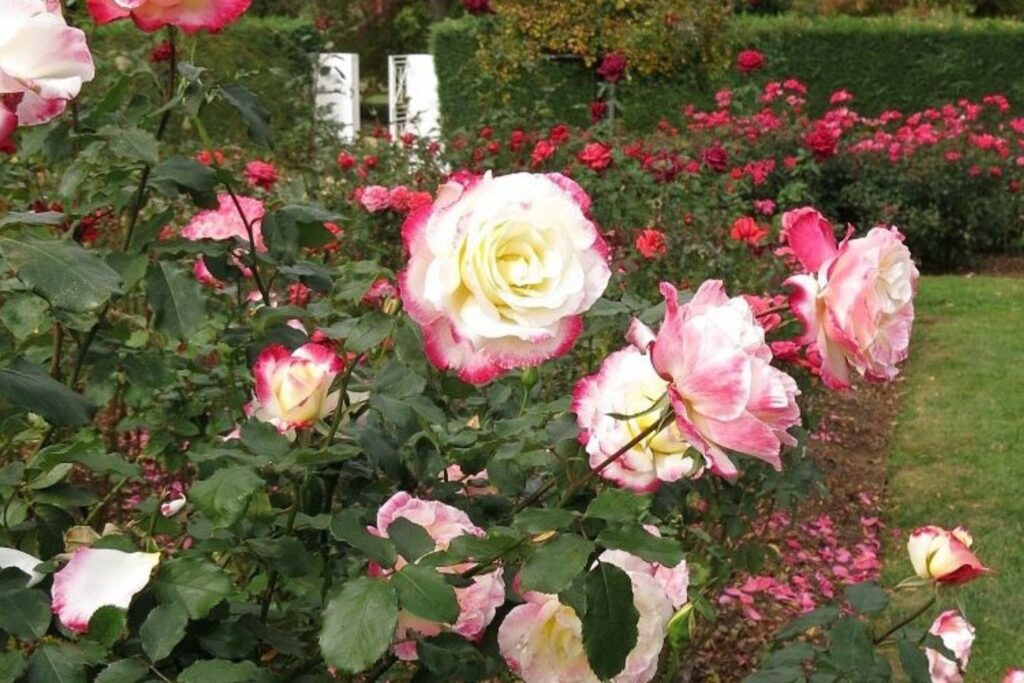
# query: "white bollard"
(413, 104)
(337, 91)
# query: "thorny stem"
(268, 594)
(98, 508)
(571, 491)
(136, 210)
(264, 292)
(908, 619)
(342, 400)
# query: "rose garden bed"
(545, 404)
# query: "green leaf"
(176, 298)
(369, 331)
(132, 143)
(359, 624)
(262, 438)
(554, 565)
(24, 315)
(163, 629)
(196, 584)
(32, 218)
(225, 496)
(819, 617)
(180, 174)
(124, 671)
(107, 625)
(914, 662)
(57, 663)
(451, 658)
(610, 624)
(25, 613)
(348, 528)
(790, 656)
(61, 272)
(12, 665)
(850, 645)
(538, 520)
(618, 505)
(866, 598)
(411, 540)
(221, 671)
(636, 540)
(425, 593)
(254, 115)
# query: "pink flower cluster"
(400, 199)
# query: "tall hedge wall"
(887, 63)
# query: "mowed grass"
(958, 451)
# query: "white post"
(413, 105)
(337, 91)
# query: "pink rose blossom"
(43, 64)
(375, 198)
(858, 310)
(226, 223)
(1014, 676)
(958, 636)
(151, 15)
(478, 602)
(725, 393)
(261, 174)
(500, 271)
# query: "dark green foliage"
(887, 63)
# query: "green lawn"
(958, 451)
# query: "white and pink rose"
(291, 387)
(43, 64)
(944, 556)
(500, 271)
(478, 602)
(958, 637)
(614, 406)
(542, 639)
(857, 300)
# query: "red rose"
(823, 140)
(541, 152)
(346, 160)
(716, 158)
(746, 229)
(161, 52)
(516, 140)
(598, 110)
(749, 61)
(613, 67)
(651, 243)
(477, 6)
(596, 156)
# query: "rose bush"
(269, 478)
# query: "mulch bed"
(831, 540)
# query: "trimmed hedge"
(269, 55)
(887, 63)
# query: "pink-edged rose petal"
(96, 578)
